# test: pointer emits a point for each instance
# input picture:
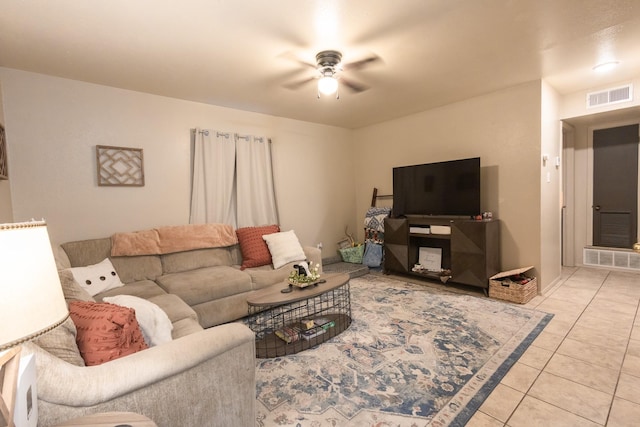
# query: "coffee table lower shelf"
(272, 346)
(299, 318)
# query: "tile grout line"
(626, 350)
(561, 284)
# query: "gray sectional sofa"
(205, 376)
(209, 281)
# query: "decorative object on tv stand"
(119, 166)
(31, 301)
(4, 171)
(304, 274)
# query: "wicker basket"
(352, 255)
(509, 291)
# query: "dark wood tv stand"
(470, 254)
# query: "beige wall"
(503, 128)
(6, 210)
(54, 125)
(550, 186)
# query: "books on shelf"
(304, 328)
(307, 324)
(288, 334)
(313, 332)
(325, 323)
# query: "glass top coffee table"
(289, 322)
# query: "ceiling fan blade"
(293, 57)
(354, 86)
(361, 63)
(299, 83)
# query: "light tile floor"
(584, 367)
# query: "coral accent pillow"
(255, 251)
(105, 331)
(154, 323)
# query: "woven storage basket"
(353, 255)
(510, 291)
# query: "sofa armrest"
(62, 383)
(313, 255)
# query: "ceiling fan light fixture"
(606, 66)
(327, 85)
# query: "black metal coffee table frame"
(270, 311)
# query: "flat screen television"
(450, 188)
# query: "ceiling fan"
(330, 70)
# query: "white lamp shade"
(31, 298)
(327, 85)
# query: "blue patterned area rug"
(413, 356)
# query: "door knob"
(596, 207)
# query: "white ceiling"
(240, 53)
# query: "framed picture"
(119, 166)
(4, 171)
(430, 258)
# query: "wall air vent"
(611, 258)
(610, 96)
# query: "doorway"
(578, 183)
(615, 186)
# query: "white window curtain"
(213, 193)
(255, 196)
(232, 180)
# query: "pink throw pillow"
(105, 331)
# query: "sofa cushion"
(255, 251)
(262, 277)
(284, 248)
(61, 258)
(61, 343)
(135, 268)
(199, 258)
(87, 252)
(154, 322)
(71, 288)
(105, 331)
(236, 254)
(206, 284)
(98, 277)
(185, 327)
(175, 307)
(129, 268)
(143, 289)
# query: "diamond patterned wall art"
(119, 166)
(4, 171)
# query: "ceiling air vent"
(610, 96)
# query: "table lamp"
(31, 300)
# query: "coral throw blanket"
(166, 240)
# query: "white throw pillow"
(284, 248)
(97, 278)
(154, 322)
